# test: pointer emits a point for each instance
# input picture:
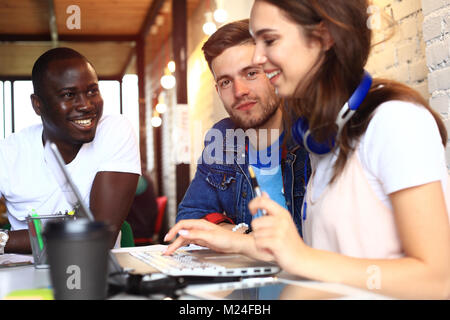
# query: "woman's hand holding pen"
(276, 234)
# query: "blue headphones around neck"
(300, 130)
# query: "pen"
(257, 190)
(37, 226)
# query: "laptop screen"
(57, 165)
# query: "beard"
(246, 121)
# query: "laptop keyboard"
(178, 264)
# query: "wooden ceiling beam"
(68, 38)
(22, 78)
(152, 13)
(14, 78)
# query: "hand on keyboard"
(181, 263)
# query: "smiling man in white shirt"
(101, 152)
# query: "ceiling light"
(154, 30)
(220, 15)
(159, 20)
(168, 81)
(209, 27)
(161, 107)
(156, 120)
(171, 66)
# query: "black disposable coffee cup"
(78, 256)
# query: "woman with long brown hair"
(376, 209)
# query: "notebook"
(202, 262)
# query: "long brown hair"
(339, 72)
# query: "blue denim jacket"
(224, 187)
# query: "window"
(130, 100)
(18, 113)
(110, 91)
(7, 109)
(2, 113)
(24, 115)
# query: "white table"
(21, 278)
(27, 277)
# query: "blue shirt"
(267, 168)
(271, 181)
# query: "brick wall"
(436, 33)
(402, 57)
(418, 53)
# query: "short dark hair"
(42, 63)
(230, 35)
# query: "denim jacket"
(224, 186)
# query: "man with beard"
(252, 136)
(101, 152)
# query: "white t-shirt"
(401, 148)
(27, 183)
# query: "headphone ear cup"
(317, 147)
(299, 130)
(302, 135)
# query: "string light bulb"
(209, 27)
(156, 120)
(220, 15)
(171, 66)
(161, 107)
(168, 81)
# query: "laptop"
(56, 162)
(200, 262)
(203, 262)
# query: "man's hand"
(19, 242)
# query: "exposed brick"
(436, 54)
(418, 71)
(436, 29)
(443, 78)
(422, 47)
(378, 37)
(387, 58)
(432, 28)
(447, 154)
(382, 3)
(430, 6)
(402, 9)
(432, 83)
(408, 27)
(401, 73)
(446, 22)
(440, 103)
(447, 127)
(407, 53)
(422, 88)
